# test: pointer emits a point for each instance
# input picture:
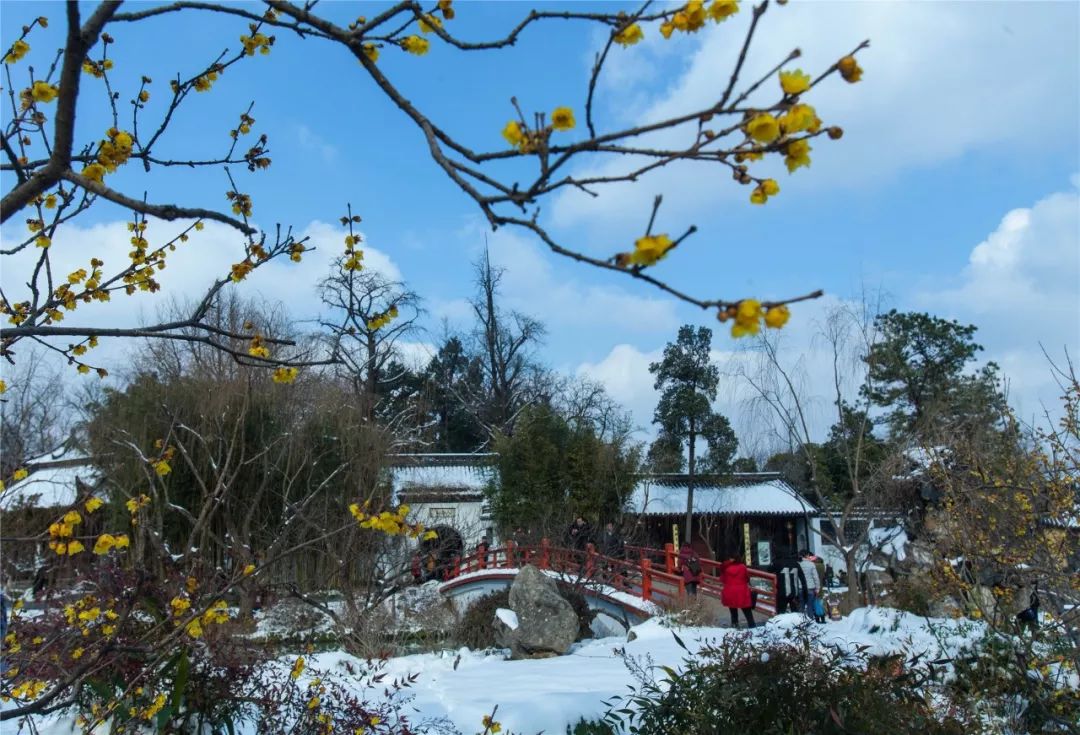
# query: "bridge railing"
(649, 573)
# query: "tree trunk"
(690, 485)
(853, 599)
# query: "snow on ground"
(548, 694)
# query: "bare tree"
(368, 315)
(505, 343)
(778, 391)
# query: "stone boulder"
(546, 623)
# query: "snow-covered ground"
(549, 694)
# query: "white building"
(446, 490)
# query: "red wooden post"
(646, 579)
(669, 558)
(509, 555)
(590, 560)
(682, 588)
(545, 553)
(456, 569)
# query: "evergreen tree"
(687, 380)
(917, 371)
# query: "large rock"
(546, 623)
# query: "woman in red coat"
(735, 594)
(690, 566)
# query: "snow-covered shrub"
(745, 684)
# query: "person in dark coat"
(735, 594)
(611, 542)
(690, 567)
(579, 534)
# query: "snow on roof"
(763, 495)
(51, 485)
(459, 478)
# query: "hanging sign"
(746, 542)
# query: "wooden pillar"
(590, 560)
(545, 553)
(646, 579)
(509, 555)
(669, 558)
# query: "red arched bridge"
(650, 574)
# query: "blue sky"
(954, 189)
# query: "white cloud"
(583, 313)
(532, 285)
(311, 141)
(1021, 287)
(624, 372)
(942, 79)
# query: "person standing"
(813, 585)
(611, 543)
(735, 594)
(690, 566)
(790, 585)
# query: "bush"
(742, 684)
(915, 593)
(476, 629)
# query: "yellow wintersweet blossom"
(204, 82)
(93, 503)
(29, 689)
(513, 133)
(629, 36)
(799, 118)
(194, 629)
(777, 317)
(43, 92)
(257, 348)
(764, 128)
(562, 118)
(721, 10)
(94, 172)
(16, 52)
(179, 605)
(490, 725)
(794, 82)
(371, 51)
(284, 375)
(298, 668)
(748, 314)
(162, 468)
(764, 190)
(849, 69)
(691, 18)
(122, 541)
(3, 386)
(429, 23)
(797, 154)
(415, 45)
(650, 248)
(72, 518)
(666, 28)
(249, 570)
(75, 547)
(50, 201)
(104, 544)
(257, 41)
(430, 535)
(20, 474)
